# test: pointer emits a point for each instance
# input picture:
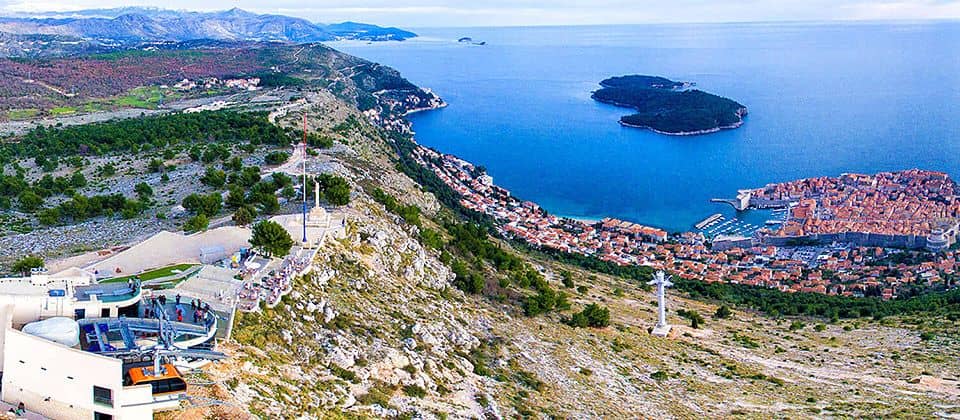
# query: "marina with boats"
(742, 223)
(719, 224)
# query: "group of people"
(273, 286)
(248, 297)
(198, 308)
(280, 282)
(150, 310)
(19, 411)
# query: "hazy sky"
(425, 13)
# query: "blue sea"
(824, 99)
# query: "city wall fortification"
(857, 238)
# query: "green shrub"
(592, 315)
(244, 215)
(271, 239)
(344, 374)
(379, 394)
(567, 279)
(276, 157)
(214, 178)
(723, 312)
(143, 190)
(660, 376)
(335, 189)
(695, 318)
(25, 264)
(431, 238)
(207, 205)
(197, 223)
(414, 391)
(745, 340)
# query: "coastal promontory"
(669, 107)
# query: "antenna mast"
(304, 157)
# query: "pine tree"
(271, 239)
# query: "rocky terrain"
(380, 332)
(60, 89)
(356, 81)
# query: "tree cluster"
(151, 133)
(334, 189)
(80, 208)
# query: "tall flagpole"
(304, 157)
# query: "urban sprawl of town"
(849, 235)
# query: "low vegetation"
(593, 315)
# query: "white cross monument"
(662, 282)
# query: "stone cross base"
(661, 331)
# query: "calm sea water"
(823, 99)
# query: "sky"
(440, 13)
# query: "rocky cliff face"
(379, 331)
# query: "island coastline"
(688, 133)
(668, 107)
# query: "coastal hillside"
(190, 75)
(667, 107)
(422, 309)
(388, 329)
(138, 149)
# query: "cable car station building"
(90, 356)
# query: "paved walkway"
(168, 248)
(214, 285)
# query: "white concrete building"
(72, 293)
(65, 383)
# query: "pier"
(713, 227)
(708, 221)
(741, 203)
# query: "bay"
(824, 99)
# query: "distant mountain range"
(150, 24)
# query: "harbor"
(709, 221)
(734, 224)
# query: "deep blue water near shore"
(823, 98)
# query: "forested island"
(669, 107)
